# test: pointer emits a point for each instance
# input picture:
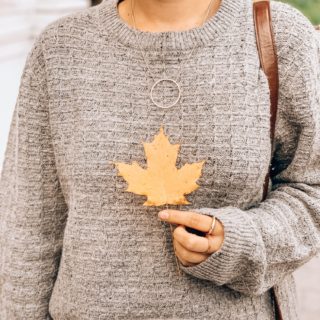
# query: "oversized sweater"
(76, 245)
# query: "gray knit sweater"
(76, 245)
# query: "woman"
(97, 84)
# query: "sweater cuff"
(227, 263)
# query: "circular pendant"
(157, 83)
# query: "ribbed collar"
(218, 24)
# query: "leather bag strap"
(269, 63)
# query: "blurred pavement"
(308, 287)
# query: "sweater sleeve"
(273, 238)
(32, 206)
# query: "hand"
(190, 248)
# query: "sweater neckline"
(215, 26)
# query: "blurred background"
(22, 20)
(310, 8)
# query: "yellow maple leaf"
(161, 182)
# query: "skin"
(190, 248)
(166, 15)
(179, 15)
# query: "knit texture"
(76, 245)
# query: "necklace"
(163, 79)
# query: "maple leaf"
(161, 182)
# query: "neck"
(167, 15)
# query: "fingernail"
(163, 214)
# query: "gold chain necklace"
(157, 82)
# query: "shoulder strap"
(269, 64)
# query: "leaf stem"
(171, 230)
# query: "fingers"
(215, 243)
(199, 221)
(187, 257)
(189, 240)
(195, 243)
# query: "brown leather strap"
(269, 63)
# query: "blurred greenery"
(310, 8)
